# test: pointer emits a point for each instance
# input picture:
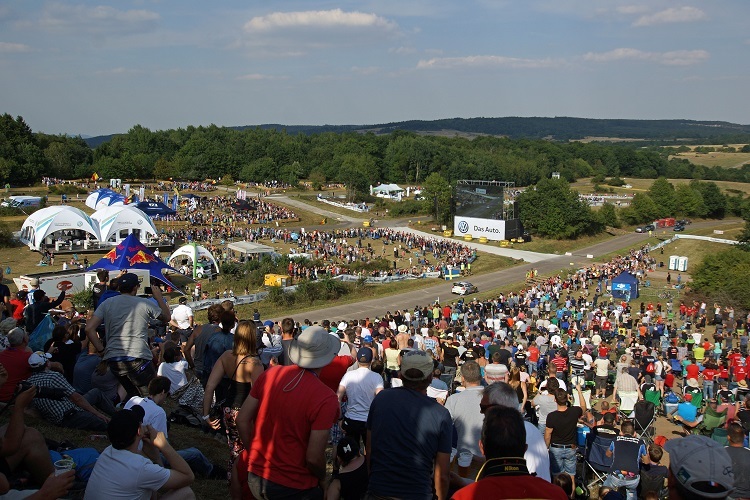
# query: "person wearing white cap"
(699, 467)
(286, 420)
(423, 429)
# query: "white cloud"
(324, 19)
(365, 71)
(119, 71)
(672, 15)
(402, 50)
(487, 62)
(100, 20)
(13, 48)
(632, 9)
(671, 58)
(259, 77)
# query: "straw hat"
(313, 348)
(693, 383)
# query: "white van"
(22, 201)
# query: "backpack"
(185, 415)
(41, 334)
(671, 398)
(650, 368)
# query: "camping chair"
(676, 367)
(651, 481)
(596, 461)
(655, 398)
(644, 414)
(712, 420)
(696, 399)
(628, 400)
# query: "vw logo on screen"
(463, 226)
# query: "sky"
(101, 67)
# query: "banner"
(489, 228)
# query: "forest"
(360, 159)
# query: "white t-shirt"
(122, 474)
(181, 315)
(155, 415)
(175, 372)
(602, 367)
(537, 455)
(361, 386)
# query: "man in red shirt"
(692, 370)
(286, 420)
(561, 365)
(15, 359)
(740, 373)
(533, 360)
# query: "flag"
(95, 177)
(176, 193)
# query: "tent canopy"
(247, 247)
(112, 220)
(104, 197)
(194, 252)
(387, 189)
(154, 208)
(132, 254)
(47, 221)
(625, 286)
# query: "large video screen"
(480, 201)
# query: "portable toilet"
(682, 264)
(673, 262)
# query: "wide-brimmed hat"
(742, 383)
(693, 383)
(313, 348)
(402, 328)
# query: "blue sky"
(101, 67)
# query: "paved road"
(441, 290)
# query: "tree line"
(360, 159)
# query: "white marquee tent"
(73, 222)
(250, 248)
(389, 189)
(104, 198)
(195, 253)
(117, 222)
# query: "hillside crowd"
(512, 397)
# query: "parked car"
(463, 288)
(648, 227)
(639, 229)
(678, 228)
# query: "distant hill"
(560, 128)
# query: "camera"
(148, 290)
(42, 392)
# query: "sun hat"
(701, 465)
(38, 359)
(402, 328)
(742, 383)
(313, 348)
(7, 325)
(419, 361)
(34, 282)
(693, 383)
(343, 325)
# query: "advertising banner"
(489, 228)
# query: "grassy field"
(641, 185)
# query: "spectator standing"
(504, 474)
(126, 320)
(360, 387)
(298, 468)
(424, 429)
(182, 320)
(467, 417)
(561, 434)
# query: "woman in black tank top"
(241, 366)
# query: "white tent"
(389, 189)
(73, 222)
(247, 247)
(195, 253)
(117, 222)
(104, 198)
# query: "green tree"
(607, 216)
(354, 174)
(554, 210)
(721, 276)
(713, 198)
(663, 194)
(438, 196)
(689, 202)
(644, 208)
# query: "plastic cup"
(63, 466)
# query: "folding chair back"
(596, 460)
(675, 365)
(697, 399)
(712, 419)
(644, 416)
(627, 402)
(720, 436)
(651, 481)
(653, 397)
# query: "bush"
(83, 299)
(616, 181)
(407, 207)
(7, 240)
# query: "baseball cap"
(364, 355)
(182, 300)
(367, 338)
(347, 449)
(419, 361)
(38, 359)
(701, 465)
(128, 280)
